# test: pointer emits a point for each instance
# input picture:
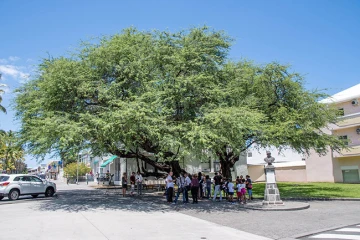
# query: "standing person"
(230, 190)
(225, 188)
(199, 177)
(132, 183)
(170, 187)
(124, 184)
(180, 182)
(217, 183)
(238, 190)
(194, 189)
(139, 180)
(249, 186)
(208, 187)
(203, 186)
(187, 187)
(97, 177)
(241, 178)
(242, 191)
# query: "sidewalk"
(109, 224)
(61, 185)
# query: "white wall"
(258, 156)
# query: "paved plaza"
(82, 212)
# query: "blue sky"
(320, 39)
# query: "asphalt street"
(80, 211)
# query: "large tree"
(159, 96)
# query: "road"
(81, 212)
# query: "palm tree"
(11, 152)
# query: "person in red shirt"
(132, 183)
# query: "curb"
(306, 206)
(24, 200)
(315, 199)
(321, 199)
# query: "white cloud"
(14, 72)
(3, 61)
(14, 58)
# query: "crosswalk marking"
(348, 230)
(337, 236)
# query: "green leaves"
(159, 92)
(71, 170)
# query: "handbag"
(250, 186)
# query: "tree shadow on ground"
(88, 200)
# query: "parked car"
(15, 185)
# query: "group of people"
(200, 187)
(134, 180)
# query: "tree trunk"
(226, 169)
(166, 166)
(227, 161)
(175, 168)
(138, 165)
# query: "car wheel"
(14, 194)
(49, 192)
(1, 198)
(35, 196)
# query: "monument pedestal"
(272, 194)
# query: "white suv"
(15, 185)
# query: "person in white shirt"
(170, 187)
(231, 190)
(187, 187)
(139, 180)
(242, 191)
(238, 190)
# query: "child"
(243, 191)
(225, 188)
(204, 186)
(230, 187)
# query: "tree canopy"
(74, 169)
(160, 95)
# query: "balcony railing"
(351, 152)
(349, 120)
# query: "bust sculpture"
(269, 159)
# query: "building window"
(249, 154)
(345, 139)
(341, 112)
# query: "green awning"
(108, 161)
(96, 161)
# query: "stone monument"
(272, 194)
